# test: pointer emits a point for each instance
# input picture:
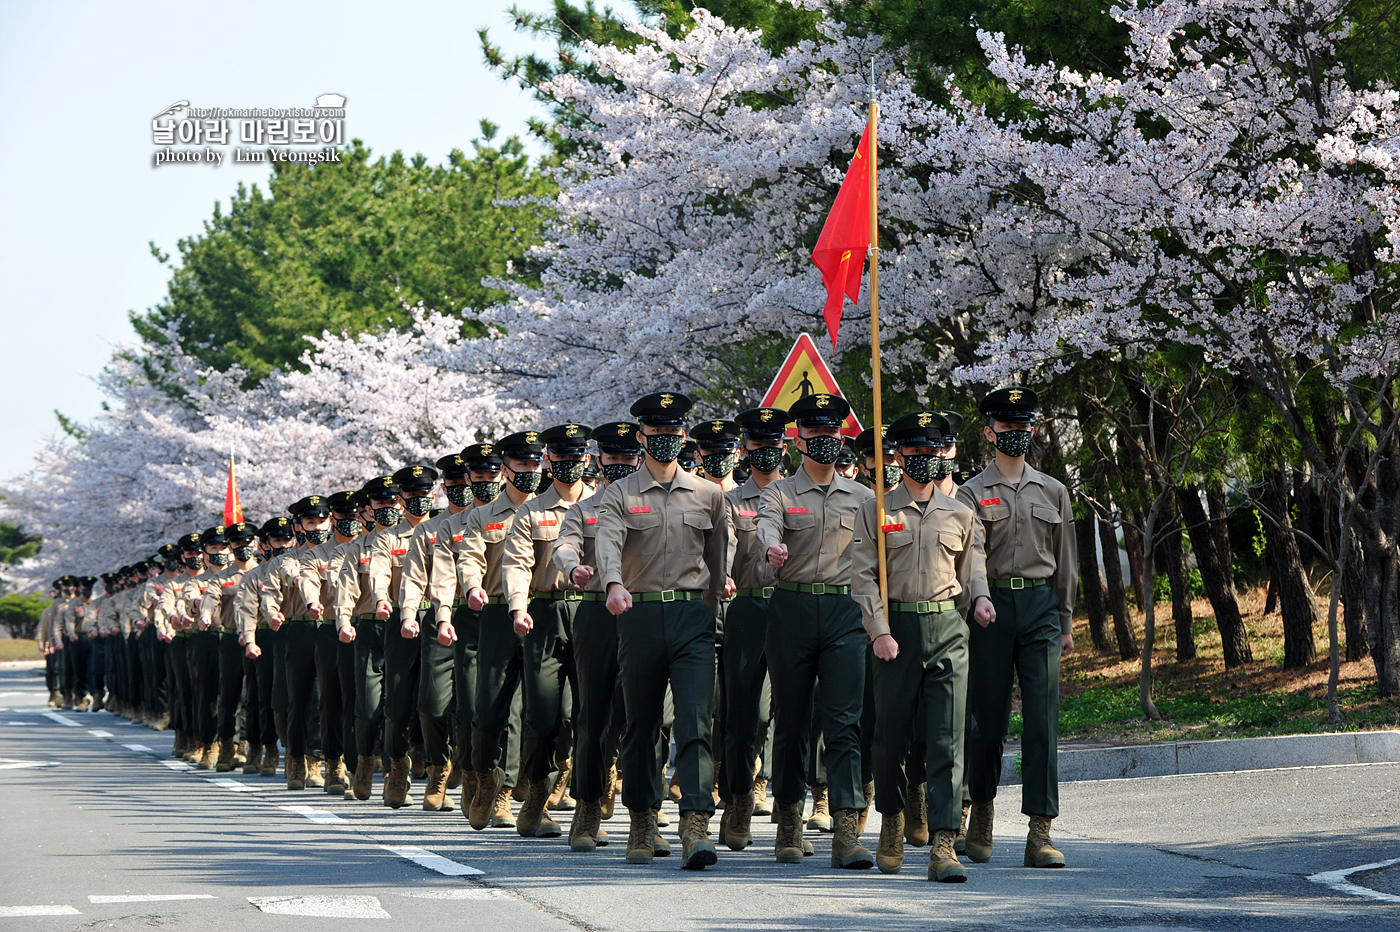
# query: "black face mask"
(527, 482)
(719, 465)
(664, 448)
(301, 538)
(920, 466)
(317, 538)
(616, 472)
(348, 527)
(457, 494)
(243, 554)
(568, 471)
(766, 459)
(943, 468)
(892, 475)
(1014, 442)
(486, 491)
(824, 450)
(192, 560)
(418, 505)
(280, 545)
(219, 559)
(387, 516)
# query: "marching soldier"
(847, 460)
(231, 560)
(345, 511)
(270, 655)
(662, 542)
(259, 725)
(805, 524)
(49, 645)
(174, 613)
(1032, 572)
(154, 643)
(936, 572)
(317, 582)
(204, 646)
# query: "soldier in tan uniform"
(75, 629)
(231, 559)
(154, 643)
(177, 615)
(1032, 571)
(663, 539)
(805, 524)
(337, 631)
(260, 728)
(49, 646)
(936, 575)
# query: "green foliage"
(344, 246)
(20, 613)
(15, 545)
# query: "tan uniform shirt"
(932, 554)
(1030, 531)
(146, 598)
(217, 606)
(817, 526)
(748, 565)
(651, 540)
(314, 577)
(483, 540)
(577, 544)
(386, 562)
(353, 595)
(247, 605)
(281, 589)
(445, 572)
(45, 636)
(163, 612)
(415, 580)
(526, 560)
(192, 592)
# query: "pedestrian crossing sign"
(804, 373)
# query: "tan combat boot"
(788, 846)
(254, 761)
(501, 816)
(1039, 851)
(435, 796)
(559, 798)
(162, 723)
(468, 792)
(761, 806)
(820, 820)
(846, 849)
(583, 830)
(315, 776)
(534, 820)
(226, 759)
(609, 799)
(869, 790)
(455, 773)
(337, 779)
(696, 851)
(396, 784)
(83, 703)
(194, 750)
(641, 847)
(916, 817)
(296, 773)
(483, 802)
(889, 854)
(979, 832)
(418, 762)
(659, 844)
(943, 865)
(673, 789)
(520, 788)
(54, 698)
(960, 843)
(240, 753)
(737, 829)
(269, 761)
(363, 783)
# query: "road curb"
(1227, 755)
(22, 664)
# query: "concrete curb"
(1222, 756)
(22, 664)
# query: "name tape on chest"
(549, 522)
(797, 511)
(640, 509)
(990, 501)
(590, 520)
(496, 526)
(431, 541)
(399, 552)
(891, 528)
(747, 514)
(457, 538)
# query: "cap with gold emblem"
(718, 434)
(312, 506)
(688, 458)
(848, 454)
(662, 409)
(280, 526)
(567, 439)
(453, 466)
(482, 456)
(189, 541)
(954, 420)
(168, 552)
(522, 445)
(820, 410)
(416, 480)
(919, 429)
(344, 503)
(241, 533)
(618, 438)
(381, 489)
(87, 582)
(1013, 405)
(213, 535)
(865, 443)
(763, 423)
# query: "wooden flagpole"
(879, 425)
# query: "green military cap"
(820, 410)
(416, 479)
(241, 533)
(453, 466)
(484, 455)
(344, 503)
(280, 526)
(687, 459)
(168, 552)
(662, 409)
(865, 443)
(522, 445)
(1012, 405)
(955, 421)
(213, 535)
(189, 541)
(567, 439)
(381, 488)
(87, 582)
(920, 429)
(763, 423)
(312, 506)
(849, 453)
(716, 433)
(618, 438)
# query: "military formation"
(597, 607)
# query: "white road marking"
(138, 747)
(14, 911)
(434, 862)
(234, 785)
(333, 907)
(21, 723)
(29, 693)
(61, 719)
(149, 897)
(315, 815)
(7, 763)
(470, 893)
(99, 733)
(1337, 880)
(178, 764)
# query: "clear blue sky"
(80, 200)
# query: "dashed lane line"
(1337, 880)
(14, 912)
(61, 719)
(99, 733)
(148, 897)
(139, 748)
(7, 763)
(465, 893)
(434, 862)
(331, 907)
(230, 784)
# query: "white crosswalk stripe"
(147, 897)
(11, 912)
(332, 907)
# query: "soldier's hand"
(347, 634)
(476, 599)
(447, 635)
(984, 613)
(619, 599)
(315, 611)
(524, 624)
(777, 555)
(204, 624)
(729, 587)
(886, 647)
(274, 621)
(383, 610)
(73, 638)
(1067, 642)
(252, 651)
(580, 575)
(409, 628)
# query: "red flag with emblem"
(233, 512)
(845, 238)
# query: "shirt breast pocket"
(647, 520)
(951, 541)
(548, 532)
(697, 526)
(799, 522)
(494, 536)
(897, 539)
(1045, 513)
(995, 512)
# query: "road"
(97, 831)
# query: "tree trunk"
(1093, 586)
(1234, 637)
(1295, 595)
(1174, 555)
(1220, 534)
(1117, 597)
(1132, 542)
(1355, 600)
(1271, 594)
(1149, 630)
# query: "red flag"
(233, 512)
(841, 249)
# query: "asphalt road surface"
(100, 830)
